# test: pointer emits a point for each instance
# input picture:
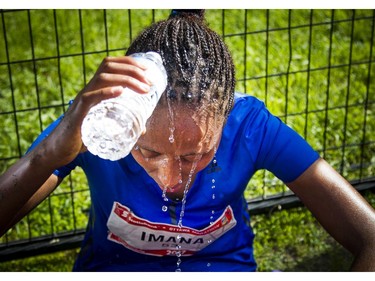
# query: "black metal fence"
(313, 68)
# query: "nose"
(169, 172)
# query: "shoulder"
(242, 99)
(249, 110)
(245, 104)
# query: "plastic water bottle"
(112, 127)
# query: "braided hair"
(198, 64)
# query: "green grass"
(281, 56)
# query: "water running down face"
(184, 131)
(196, 137)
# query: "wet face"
(173, 151)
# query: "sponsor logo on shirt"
(160, 239)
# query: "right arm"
(30, 180)
(14, 208)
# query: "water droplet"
(212, 212)
(213, 180)
(215, 161)
(180, 181)
(164, 208)
(211, 218)
(186, 189)
(171, 139)
(178, 237)
(209, 241)
(208, 264)
(164, 195)
(178, 254)
(178, 269)
(213, 187)
(178, 262)
(213, 196)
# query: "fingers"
(125, 60)
(89, 99)
(123, 70)
(107, 79)
(92, 98)
(120, 71)
(113, 74)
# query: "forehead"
(190, 132)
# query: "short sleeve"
(283, 151)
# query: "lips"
(179, 188)
(176, 188)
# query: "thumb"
(92, 98)
(84, 101)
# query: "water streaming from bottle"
(186, 189)
(171, 122)
(182, 211)
(208, 125)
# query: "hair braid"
(198, 63)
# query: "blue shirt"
(129, 230)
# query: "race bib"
(160, 239)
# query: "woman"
(176, 202)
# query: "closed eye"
(192, 158)
(149, 153)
